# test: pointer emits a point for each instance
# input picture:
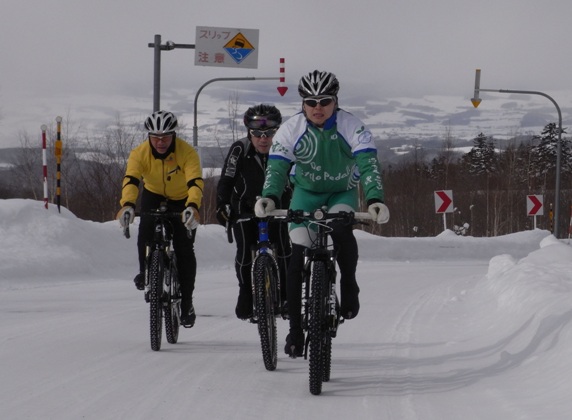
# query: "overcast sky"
(62, 55)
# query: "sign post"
(534, 206)
(58, 153)
(444, 204)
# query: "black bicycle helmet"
(318, 83)
(262, 117)
(161, 122)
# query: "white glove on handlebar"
(190, 218)
(379, 212)
(264, 206)
(125, 211)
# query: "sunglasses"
(264, 133)
(161, 137)
(261, 122)
(313, 102)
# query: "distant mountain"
(399, 124)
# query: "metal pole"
(220, 79)
(157, 74)
(558, 149)
(157, 48)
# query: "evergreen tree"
(546, 152)
(482, 158)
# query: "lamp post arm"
(219, 79)
(558, 148)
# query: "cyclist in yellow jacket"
(171, 172)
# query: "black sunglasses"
(264, 133)
(313, 102)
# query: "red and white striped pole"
(45, 163)
(58, 152)
(282, 88)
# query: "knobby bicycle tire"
(155, 304)
(172, 308)
(317, 329)
(265, 281)
(332, 300)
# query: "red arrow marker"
(446, 201)
(537, 205)
(282, 89)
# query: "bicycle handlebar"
(161, 213)
(167, 215)
(318, 214)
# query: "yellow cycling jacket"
(175, 177)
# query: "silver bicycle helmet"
(318, 83)
(161, 122)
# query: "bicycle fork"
(332, 302)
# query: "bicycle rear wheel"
(265, 278)
(172, 308)
(155, 269)
(316, 326)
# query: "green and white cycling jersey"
(326, 160)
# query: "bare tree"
(98, 180)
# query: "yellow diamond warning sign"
(239, 47)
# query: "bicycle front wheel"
(316, 326)
(172, 308)
(155, 272)
(265, 278)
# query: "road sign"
(444, 201)
(226, 47)
(534, 205)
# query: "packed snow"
(450, 327)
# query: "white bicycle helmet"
(318, 83)
(161, 122)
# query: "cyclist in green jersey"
(332, 152)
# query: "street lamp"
(220, 79)
(477, 100)
(169, 45)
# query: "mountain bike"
(320, 305)
(162, 288)
(266, 293)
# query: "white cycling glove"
(126, 213)
(190, 217)
(378, 212)
(264, 206)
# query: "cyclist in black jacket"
(240, 183)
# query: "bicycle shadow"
(381, 375)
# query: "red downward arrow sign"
(446, 201)
(536, 203)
